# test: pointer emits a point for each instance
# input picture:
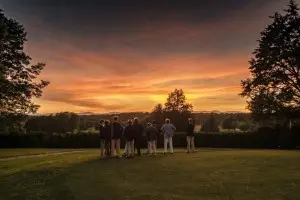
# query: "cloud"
(111, 58)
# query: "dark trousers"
(138, 145)
(107, 147)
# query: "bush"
(265, 137)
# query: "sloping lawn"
(207, 174)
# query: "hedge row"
(264, 138)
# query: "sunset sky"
(111, 55)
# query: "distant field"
(207, 174)
(6, 153)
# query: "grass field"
(207, 174)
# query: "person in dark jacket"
(106, 132)
(190, 135)
(129, 133)
(116, 131)
(158, 133)
(102, 139)
(151, 134)
(138, 138)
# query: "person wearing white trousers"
(168, 129)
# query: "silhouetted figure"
(102, 139)
(107, 137)
(151, 134)
(128, 134)
(138, 137)
(190, 136)
(116, 131)
(158, 133)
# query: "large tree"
(274, 87)
(176, 101)
(176, 108)
(18, 84)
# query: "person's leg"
(112, 151)
(171, 144)
(188, 144)
(193, 143)
(107, 148)
(128, 149)
(154, 147)
(132, 148)
(138, 146)
(150, 148)
(118, 141)
(166, 144)
(102, 146)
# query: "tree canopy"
(211, 125)
(18, 78)
(274, 86)
(229, 123)
(176, 108)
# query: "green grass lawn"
(7, 153)
(207, 174)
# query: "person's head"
(136, 120)
(106, 122)
(191, 120)
(115, 118)
(167, 121)
(149, 124)
(129, 122)
(153, 123)
(101, 121)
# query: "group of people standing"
(134, 132)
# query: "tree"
(18, 84)
(177, 109)
(274, 87)
(176, 101)
(157, 114)
(244, 126)
(211, 125)
(229, 123)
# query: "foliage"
(274, 88)
(229, 123)
(176, 109)
(58, 123)
(265, 137)
(158, 114)
(244, 126)
(18, 83)
(211, 125)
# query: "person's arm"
(173, 127)
(162, 128)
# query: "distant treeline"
(67, 122)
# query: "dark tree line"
(65, 122)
